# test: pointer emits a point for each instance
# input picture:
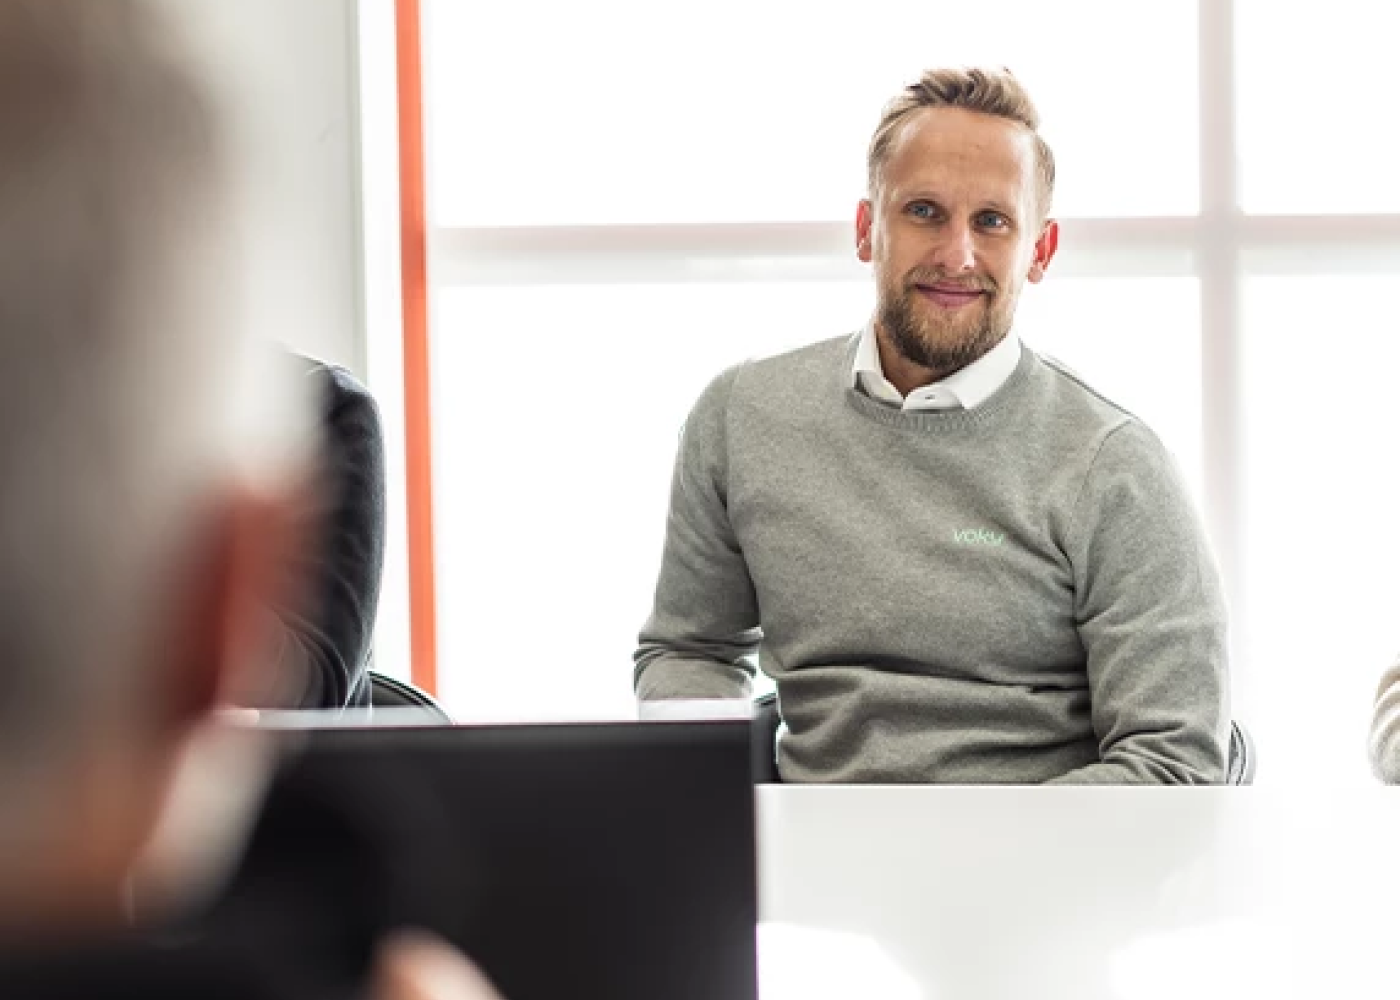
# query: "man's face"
(954, 231)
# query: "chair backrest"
(766, 720)
(1242, 757)
(390, 692)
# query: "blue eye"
(992, 220)
(921, 210)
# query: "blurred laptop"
(610, 860)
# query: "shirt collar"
(965, 388)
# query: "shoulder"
(1078, 398)
(773, 376)
(814, 360)
(1084, 413)
(795, 378)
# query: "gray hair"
(123, 405)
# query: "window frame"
(1221, 246)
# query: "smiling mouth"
(949, 296)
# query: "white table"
(923, 893)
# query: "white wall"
(287, 71)
(310, 89)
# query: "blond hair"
(986, 91)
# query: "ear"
(224, 617)
(865, 217)
(1045, 248)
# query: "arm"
(1152, 620)
(1385, 730)
(705, 618)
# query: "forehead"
(953, 149)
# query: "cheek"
(886, 262)
(1010, 270)
(899, 256)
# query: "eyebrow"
(997, 206)
(992, 204)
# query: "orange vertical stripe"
(418, 438)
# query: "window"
(628, 111)
(627, 197)
(1322, 539)
(1313, 137)
(563, 444)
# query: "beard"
(942, 344)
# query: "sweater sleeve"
(1151, 616)
(704, 622)
(1385, 730)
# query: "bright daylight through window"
(612, 224)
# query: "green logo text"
(978, 536)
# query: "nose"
(953, 253)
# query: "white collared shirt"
(964, 389)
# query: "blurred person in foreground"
(144, 525)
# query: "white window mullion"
(1219, 263)
(807, 251)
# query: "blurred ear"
(210, 628)
(222, 635)
(224, 617)
(865, 217)
(1045, 248)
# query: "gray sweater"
(1020, 592)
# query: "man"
(957, 562)
(1385, 730)
(143, 521)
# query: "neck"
(906, 375)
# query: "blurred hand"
(414, 965)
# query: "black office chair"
(1239, 771)
(332, 632)
(1240, 768)
(390, 692)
